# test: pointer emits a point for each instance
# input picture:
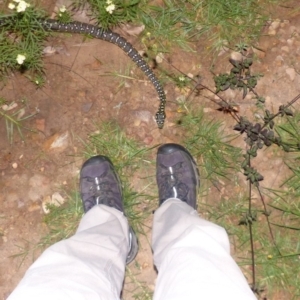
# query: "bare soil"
(79, 92)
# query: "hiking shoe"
(177, 175)
(100, 184)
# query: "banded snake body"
(112, 37)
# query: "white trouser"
(192, 256)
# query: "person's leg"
(191, 254)
(90, 264)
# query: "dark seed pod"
(253, 137)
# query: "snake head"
(160, 119)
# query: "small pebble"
(284, 23)
(40, 124)
(275, 24)
(137, 122)
(10, 106)
(285, 49)
(33, 207)
(145, 265)
(57, 142)
(290, 42)
(159, 58)
(272, 32)
(49, 50)
(268, 101)
(291, 73)
(85, 107)
(14, 165)
(56, 199)
(21, 204)
(236, 56)
(133, 30)
(148, 140)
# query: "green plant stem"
(8, 117)
(250, 231)
(286, 106)
(267, 218)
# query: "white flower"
(63, 9)
(109, 2)
(110, 8)
(22, 6)
(181, 78)
(20, 59)
(11, 6)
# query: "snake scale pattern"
(112, 37)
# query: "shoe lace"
(171, 183)
(100, 191)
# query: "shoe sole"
(133, 246)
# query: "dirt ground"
(76, 95)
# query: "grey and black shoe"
(100, 184)
(177, 175)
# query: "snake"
(114, 38)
